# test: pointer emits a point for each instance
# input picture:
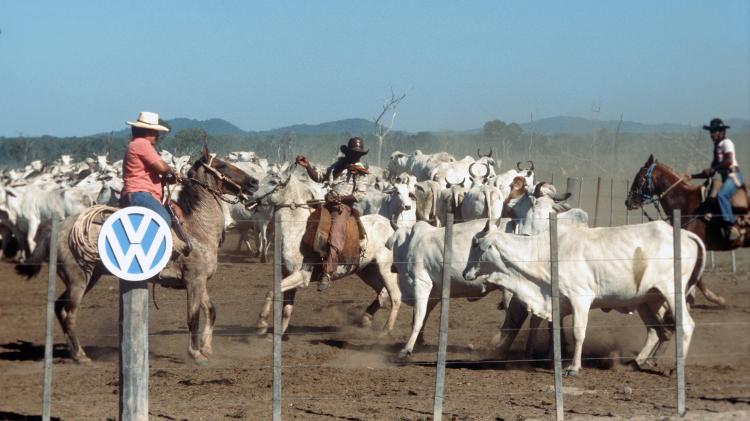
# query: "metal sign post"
(135, 244)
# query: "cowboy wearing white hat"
(724, 163)
(143, 171)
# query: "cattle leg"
(242, 239)
(534, 323)
(209, 312)
(195, 293)
(515, 315)
(653, 339)
(379, 276)
(581, 307)
(687, 322)
(710, 295)
(31, 234)
(423, 286)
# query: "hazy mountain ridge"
(363, 127)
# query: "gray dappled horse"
(290, 196)
(208, 179)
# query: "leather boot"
(325, 282)
(731, 233)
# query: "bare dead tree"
(382, 130)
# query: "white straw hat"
(148, 120)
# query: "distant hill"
(578, 125)
(355, 126)
(361, 126)
(212, 126)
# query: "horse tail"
(700, 262)
(31, 267)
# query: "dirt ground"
(334, 370)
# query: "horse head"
(222, 176)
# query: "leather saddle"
(740, 204)
(318, 230)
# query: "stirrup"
(325, 282)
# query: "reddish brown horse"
(657, 184)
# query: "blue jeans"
(728, 188)
(145, 199)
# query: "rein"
(258, 199)
(217, 193)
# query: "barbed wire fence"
(276, 397)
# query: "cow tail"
(700, 262)
(488, 203)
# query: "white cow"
(254, 222)
(624, 268)
(418, 164)
(396, 204)
(482, 202)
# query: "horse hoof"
(365, 322)
(570, 373)
(207, 351)
(261, 330)
(403, 355)
(82, 359)
(200, 359)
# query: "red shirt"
(137, 174)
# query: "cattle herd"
(501, 238)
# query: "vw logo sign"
(135, 243)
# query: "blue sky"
(76, 68)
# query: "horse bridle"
(647, 195)
(257, 200)
(218, 193)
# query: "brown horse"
(656, 183)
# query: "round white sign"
(135, 243)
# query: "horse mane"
(673, 175)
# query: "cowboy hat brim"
(345, 149)
(716, 128)
(157, 127)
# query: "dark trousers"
(337, 236)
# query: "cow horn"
(479, 154)
(489, 170)
(562, 197)
(471, 168)
(489, 155)
(538, 189)
(518, 166)
(532, 165)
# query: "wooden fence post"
(133, 350)
(48, 338)
(437, 408)
(679, 351)
(627, 212)
(277, 309)
(555, 281)
(596, 201)
(611, 199)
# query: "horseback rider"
(143, 172)
(347, 182)
(724, 163)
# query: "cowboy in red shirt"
(143, 171)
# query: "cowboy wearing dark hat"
(724, 163)
(347, 182)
